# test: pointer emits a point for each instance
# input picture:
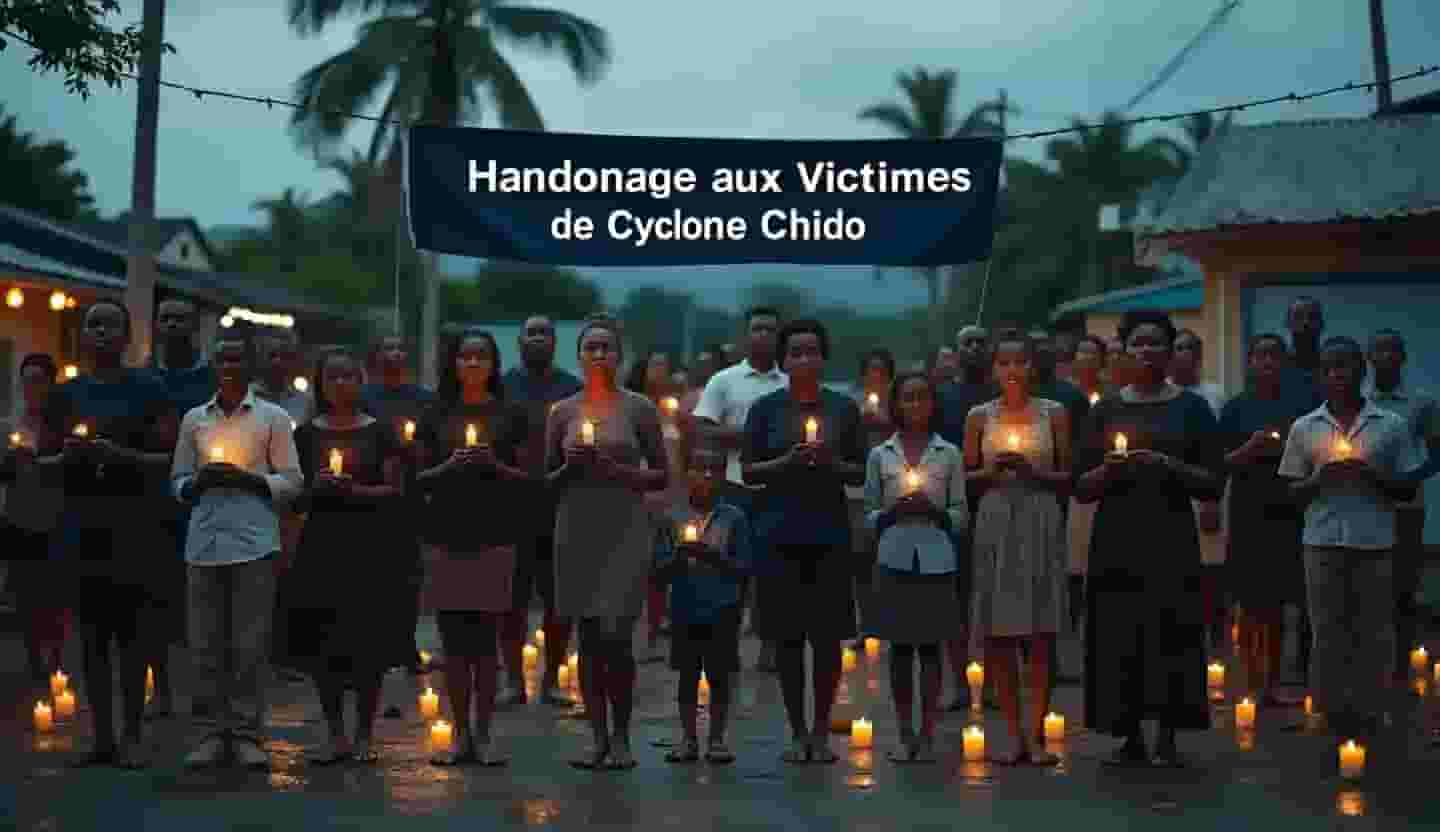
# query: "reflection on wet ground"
(1270, 777)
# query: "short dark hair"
(761, 312)
(1343, 342)
(322, 398)
(448, 390)
(606, 322)
(899, 382)
(1136, 318)
(1014, 335)
(1388, 333)
(880, 354)
(803, 326)
(1257, 340)
(124, 310)
(247, 345)
(43, 360)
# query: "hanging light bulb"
(57, 301)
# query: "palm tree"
(927, 113)
(287, 225)
(1198, 128)
(441, 59)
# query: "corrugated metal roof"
(1307, 172)
(1166, 295)
(28, 261)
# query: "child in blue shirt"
(705, 576)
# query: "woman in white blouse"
(915, 502)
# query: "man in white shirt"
(1351, 463)
(1387, 390)
(720, 414)
(235, 462)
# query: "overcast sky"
(744, 68)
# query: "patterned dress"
(1019, 554)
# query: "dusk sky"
(746, 68)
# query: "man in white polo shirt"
(1352, 463)
(720, 413)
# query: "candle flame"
(337, 462)
(1122, 444)
(82, 430)
(692, 533)
(471, 436)
(1343, 448)
(670, 403)
(912, 479)
(587, 432)
(301, 383)
(409, 430)
(1013, 440)
(71, 371)
(217, 454)
(812, 429)
(1094, 399)
(16, 439)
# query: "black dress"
(1264, 560)
(1144, 639)
(348, 599)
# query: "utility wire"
(1077, 127)
(1169, 70)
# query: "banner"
(582, 200)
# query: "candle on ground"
(1245, 714)
(337, 462)
(562, 676)
(1215, 674)
(429, 704)
(472, 437)
(861, 733)
(587, 432)
(58, 682)
(1352, 760)
(44, 720)
(847, 659)
(812, 430)
(532, 655)
(1419, 659)
(702, 691)
(1054, 727)
(409, 431)
(440, 734)
(872, 648)
(974, 744)
(1122, 444)
(65, 705)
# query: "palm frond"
(586, 46)
(892, 116)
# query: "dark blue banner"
(580, 200)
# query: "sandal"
(620, 758)
(592, 759)
(797, 754)
(820, 752)
(719, 753)
(688, 752)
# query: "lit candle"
(1122, 445)
(1094, 399)
(587, 432)
(702, 691)
(562, 676)
(862, 733)
(540, 637)
(532, 656)
(872, 402)
(975, 675)
(472, 437)
(1419, 659)
(913, 480)
(1437, 671)
(16, 439)
(82, 430)
(409, 431)
(149, 683)
(1245, 714)
(44, 720)
(692, 533)
(1274, 434)
(1013, 441)
(1309, 705)
(301, 383)
(812, 430)
(847, 659)
(1215, 674)
(425, 658)
(671, 404)
(217, 453)
(58, 683)
(429, 704)
(1054, 727)
(1352, 760)
(974, 744)
(337, 462)
(71, 371)
(440, 734)
(1343, 448)
(574, 664)
(1420, 685)
(65, 705)
(872, 648)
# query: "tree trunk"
(140, 270)
(1381, 49)
(441, 108)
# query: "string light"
(1078, 127)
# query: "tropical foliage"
(37, 175)
(70, 36)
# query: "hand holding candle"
(848, 659)
(587, 433)
(337, 462)
(1012, 442)
(408, 431)
(861, 734)
(872, 648)
(1245, 715)
(974, 744)
(440, 735)
(472, 436)
(1419, 659)
(812, 431)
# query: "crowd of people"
(1014, 487)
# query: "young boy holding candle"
(705, 570)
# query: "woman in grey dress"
(1019, 448)
(596, 442)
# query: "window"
(184, 251)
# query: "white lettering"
(673, 227)
(795, 225)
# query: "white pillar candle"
(861, 733)
(65, 704)
(974, 744)
(44, 720)
(1352, 760)
(1054, 727)
(440, 735)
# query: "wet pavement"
(1275, 779)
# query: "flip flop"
(688, 752)
(719, 753)
(797, 754)
(594, 759)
